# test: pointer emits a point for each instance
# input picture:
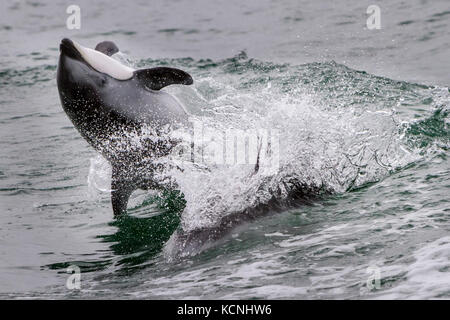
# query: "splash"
(99, 177)
(337, 129)
(335, 134)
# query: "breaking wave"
(332, 129)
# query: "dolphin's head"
(100, 94)
(84, 72)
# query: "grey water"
(363, 112)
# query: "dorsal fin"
(107, 47)
(160, 77)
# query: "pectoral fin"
(160, 77)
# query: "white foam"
(317, 147)
(427, 277)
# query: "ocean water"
(363, 123)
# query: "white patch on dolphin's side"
(105, 64)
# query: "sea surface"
(362, 114)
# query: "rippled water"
(363, 115)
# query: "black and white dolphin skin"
(108, 102)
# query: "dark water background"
(275, 55)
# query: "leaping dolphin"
(107, 101)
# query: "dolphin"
(109, 103)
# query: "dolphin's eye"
(101, 81)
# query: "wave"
(336, 130)
(29, 76)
